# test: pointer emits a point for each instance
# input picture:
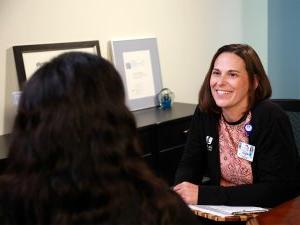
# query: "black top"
(274, 165)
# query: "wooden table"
(287, 213)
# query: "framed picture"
(137, 61)
(29, 58)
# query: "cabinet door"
(172, 134)
(169, 160)
(171, 138)
(148, 146)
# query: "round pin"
(248, 128)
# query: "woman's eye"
(215, 73)
(232, 74)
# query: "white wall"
(188, 34)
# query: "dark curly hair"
(254, 69)
(74, 156)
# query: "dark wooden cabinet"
(4, 142)
(162, 134)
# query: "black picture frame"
(47, 51)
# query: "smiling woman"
(238, 138)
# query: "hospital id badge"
(246, 151)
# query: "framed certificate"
(29, 58)
(137, 61)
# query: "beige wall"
(255, 27)
(188, 33)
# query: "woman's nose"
(221, 79)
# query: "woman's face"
(229, 83)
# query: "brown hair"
(74, 156)
(254, 69)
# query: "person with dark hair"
(74, 156)
(240, 149)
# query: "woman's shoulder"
(199, 112)
(268, 108)
(267, 111)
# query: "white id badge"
(246, 151)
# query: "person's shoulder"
(202, 113)
(268, 109)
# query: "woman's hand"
(188, 192)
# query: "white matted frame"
(137, 61)
(29, 58)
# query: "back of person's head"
(74, 155)
(254, 69)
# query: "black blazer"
(274, 166)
